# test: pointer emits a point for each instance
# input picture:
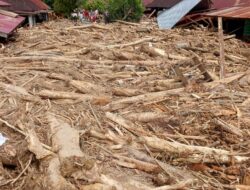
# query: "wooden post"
(222, 51)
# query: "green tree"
(65, 7)
(100, 5)
(49, 2)
(130, 10)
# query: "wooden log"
(203, 70)
(148, 97)
(86, 87)
(229, 37)
(35, 146)
(167, 83)
(57, 95)
(43, 53)
(242, 187)
(128, 23)
(153, 52)
(131, 43)
(19, 92)
(88, 26)
(176, 57)
(107, 136)
(67, 138)
(180, 185)
(140, 165)
(96, 186)
(197, 154)
(124, 123)
(141, 98)
(8, 13)
(120, 55)
(227, 127)
(62, 95)
(63, 59)
(146, 116)
(222, 48)
(126, 92)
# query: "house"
(33, 10)
(222, 4)
(235, 15)
(172, 11)
(9, 21)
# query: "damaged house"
(235, 14)
(33, 10)
(172, 11)
(9, 21)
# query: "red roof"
(221, 4)
(232, 12)
(9, 24)
(160, 3)
(26, 6)
(3, 4)
(41, 4)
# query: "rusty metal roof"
(3, 4)
(160, 3)
(232, 12)
(221, 4)
(9, 24)
(26, 6)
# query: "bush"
(65, 7)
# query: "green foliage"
(65, 7)
(100, 5)
(49, 2)
(130, 10)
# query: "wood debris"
(124, 106)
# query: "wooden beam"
(222, 48)
(7, 13)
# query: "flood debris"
(111, 107)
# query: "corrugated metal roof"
(9, 24)
(221, 4)
(3, 4)
(26, 6)
(168, 18)
(232, 12)
(160, 3)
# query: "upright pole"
(222, 48)
(31, 21)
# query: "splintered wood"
(123, 106)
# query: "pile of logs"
(123, 106)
